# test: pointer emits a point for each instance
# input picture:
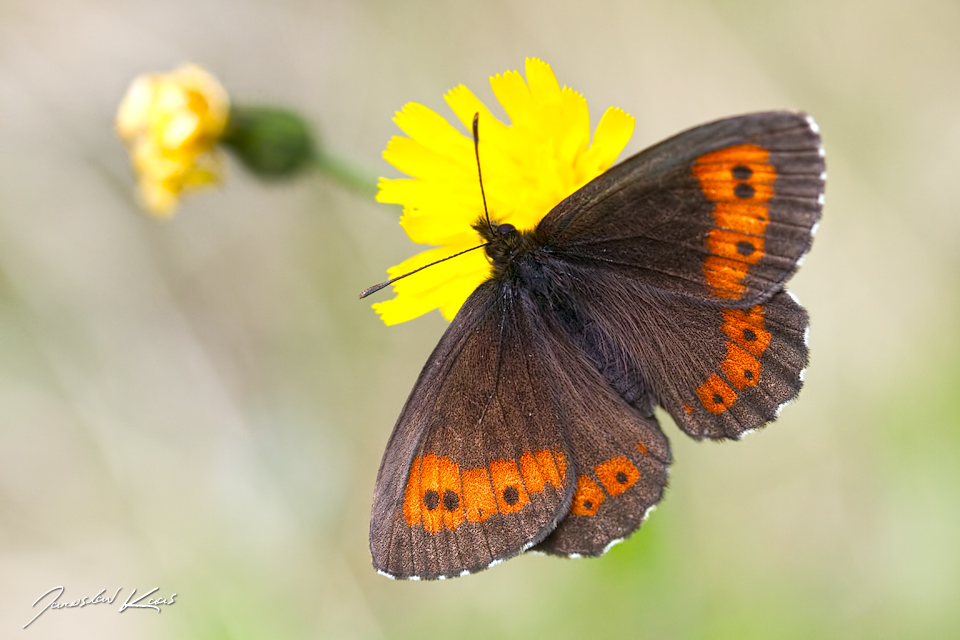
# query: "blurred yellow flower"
(171, 123)
(529, 166)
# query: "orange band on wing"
(438, 494)
(739, 181)
(741, 367)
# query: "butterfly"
(659, 283)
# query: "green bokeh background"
(201, 404)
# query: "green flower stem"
(347, 175)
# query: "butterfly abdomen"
(549, 285)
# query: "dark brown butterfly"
(658, 283)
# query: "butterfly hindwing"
(722, 212)
(725, 372)
(477, 468)
(620, 456)
(719, 371)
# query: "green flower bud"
(270, 142)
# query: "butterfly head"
(503, 242)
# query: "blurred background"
(201, 404)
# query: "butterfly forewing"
(720, 213)
(677, 259)
(477, 468)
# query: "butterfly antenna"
(486, 212)
(377, 287)
(476, 151)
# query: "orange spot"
(617, 475)
(744, 153)
(740, 368)
(742, 217)
(724, 276)
(561, 463)
(478, 498)
(716, 395)
(539, 469)
(440, 500)
(530, 470)
(739, 181)
(430, 513)
(508, 486)
(747, 329)
(642, 448)
(451, 497)
(735, 246)
(725, 191)
(587, 498)
(411, 497)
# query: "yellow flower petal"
(612, 134)
(529, 166)
(430, 129)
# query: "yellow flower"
(528, 167)
(171, 123)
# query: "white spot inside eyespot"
(813, 125)
(386, 575)
(611, 545)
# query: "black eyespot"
(743, 191)
(748, 374)
(450, 500)
(511, 496)
(587, 505)
(741, 172)
(749, 335)
(717, 398)
(431, 498)
(622, 477)
(744, 248)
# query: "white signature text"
(54, 603)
